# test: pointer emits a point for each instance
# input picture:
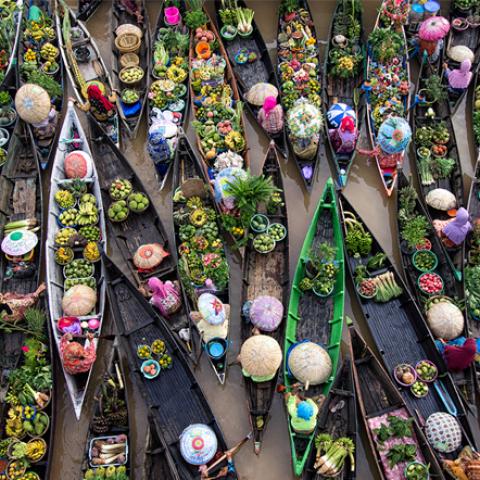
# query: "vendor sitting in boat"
(101, 106)
(453, 231)
(270, 116)
(303, 413)
(19, 249)
(344, 138)
(459, 78)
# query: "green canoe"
(315, 318)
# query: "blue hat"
(304, 410)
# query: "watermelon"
(78, 164)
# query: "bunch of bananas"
(87, 214)
(14, 424)
(49, 52)
(35, 449)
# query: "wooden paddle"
(230, 452)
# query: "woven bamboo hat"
(32, 103)
(260, 355)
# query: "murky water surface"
(229, 402)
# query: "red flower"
(25, 349)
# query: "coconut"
(441, 199)
(445, 319)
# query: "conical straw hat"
(260, 355)
(32, 103)
(310, 363)
(19, 242)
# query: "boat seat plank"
(25, 197)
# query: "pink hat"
(347, 124)
(269, 104)
(460, 77)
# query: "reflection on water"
(229, 403)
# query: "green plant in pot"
(306, 284)
(357, 240)
(5, 99)
(423, 136)
(434, 90)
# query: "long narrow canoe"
(470, 38)
(12, 30)
(307, 163)
(250, 73)
(475, 113)
(139, 228)
(111, 420)
(388, 174)
(72, 35)
(378, 398)
(196, 99)
(21, 198)
(400, 322)
(313, 318)
(465, 381)
(191, 186)
(174, 398)
(265, 275)
(344, 90)
(162, 38)
(428, 179)
(338, 418)
(45, 142)
(73, 138)
(86, 8)
(121, 15)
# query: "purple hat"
(460, 77)
(266, 313)
(458, 228)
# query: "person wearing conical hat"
(19, 250)
(302, 411)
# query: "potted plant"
(245, 18)
(5, 99)
(441, 135)
(434, 90)
(423, 136)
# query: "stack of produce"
(9, 12)
(300, 80)
(125, 200)
(23, 439)
(202, 262)
(77, 242)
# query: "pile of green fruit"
(131, 74)
(88, 198)
(90, 233)
(118, 211)
(263, 243)
(138, 202)
(38, 426)
(120, 189)
(71, 282)
(79, 268)
(277, 231)
(68, 218)
(130, 96)
(62, 237)
(419, 389)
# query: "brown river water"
(229, 403)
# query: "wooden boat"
(159, 463)
(86, 8)
(229, 80)
(89, 68)
(249, 74)
(9, 85)
(406, 327)
(338, 417)
(427, 182)
(265, 275)
(175, 390)
(190, 184)
(388, 174)
(310, 163)
(465, 381)
(73, 138)
(121, 15)
(475, 114)
(137, 229)
(111, 421)
(313, 318)
(13, 31)
(343, 90)
(162, 30)
(20, 199)
(467, 37)
(379, 398)
(44, 142)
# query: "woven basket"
(128, 43)
(129, 60)
(128, 28)
(306, 153)
(130, 83)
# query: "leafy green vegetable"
(401, 453)
(415, 230)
